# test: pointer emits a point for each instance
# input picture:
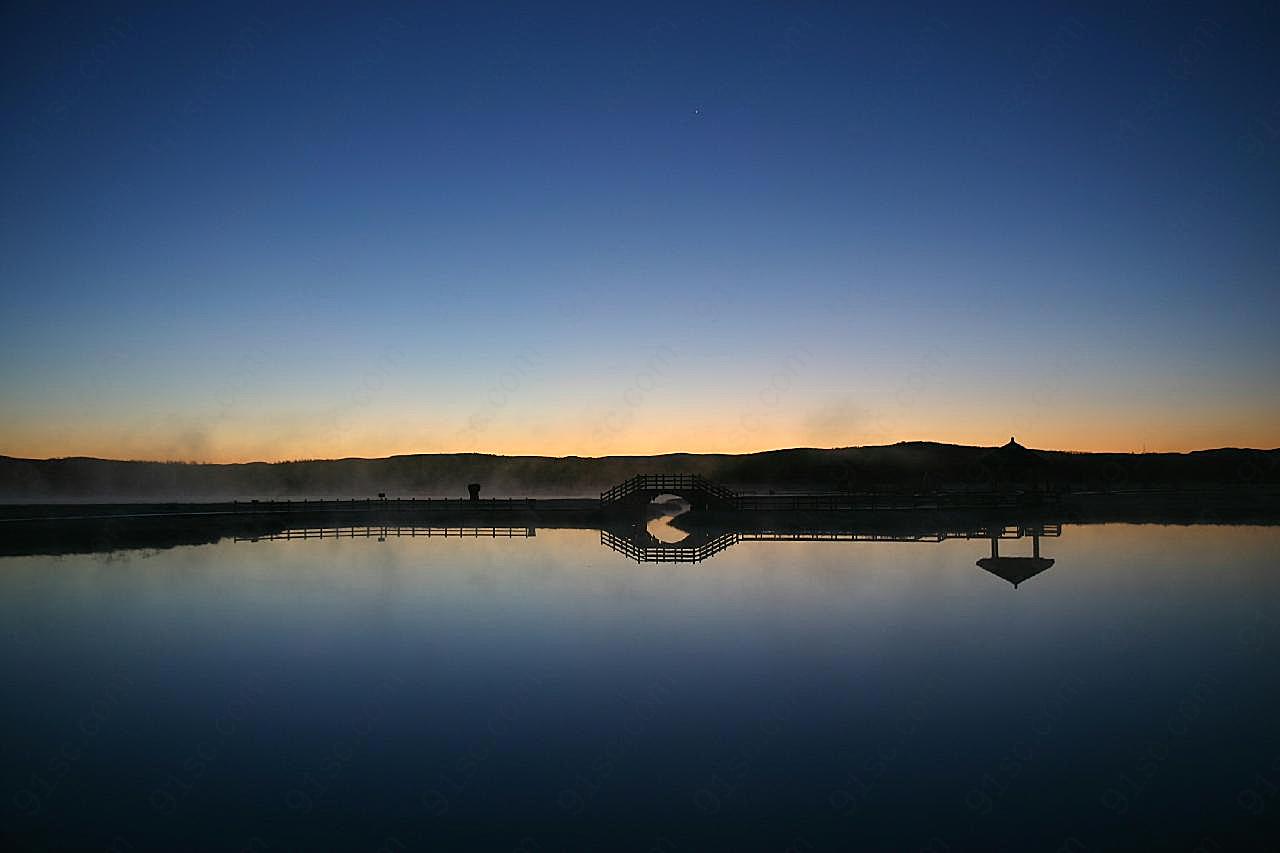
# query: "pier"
(704, 495)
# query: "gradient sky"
(240, 232)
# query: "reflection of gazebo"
(1016, 569)
(1015, 464)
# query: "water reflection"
(1018, 569)
(639, 544)
(668, 508)
(382, 532)
(815, 690)
(657, 541)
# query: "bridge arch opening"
(660, 512)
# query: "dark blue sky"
(233, 232)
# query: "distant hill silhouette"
(903, 466)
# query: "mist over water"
(547, 693)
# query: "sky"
(241, 232)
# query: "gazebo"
(1013, 463)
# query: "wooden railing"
(674, 483)
(841, 501)
(695, 485)
(382, 531)
(414, 504)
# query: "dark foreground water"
(545, 694)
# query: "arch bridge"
(701, 493)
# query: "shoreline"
(50, 529)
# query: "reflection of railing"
(1012, 531)
(383, 531)
(674, 483)
(666, 552)
(642, 550)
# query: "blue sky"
(234, 233)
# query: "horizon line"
(294, 460)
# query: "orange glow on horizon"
(532, 440)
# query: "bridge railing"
(674, 483)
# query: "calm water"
(546, 694)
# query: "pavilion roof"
(1015, 569)
(1013, 455)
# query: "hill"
(907, 465)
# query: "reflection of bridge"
(637, 543)
(643, 547)
(383, 531)
(640, 545)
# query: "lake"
(545, 693)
